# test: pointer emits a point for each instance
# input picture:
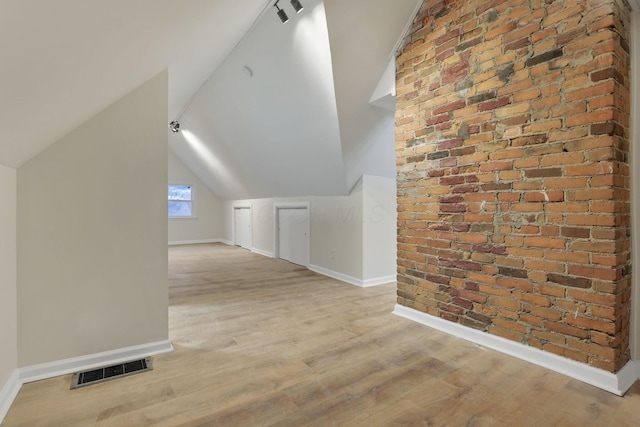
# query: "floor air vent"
(82, 379)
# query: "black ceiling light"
(297, 6)
(281, 13)
(174, 126)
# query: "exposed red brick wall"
(513, 176)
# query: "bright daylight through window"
(180, 201)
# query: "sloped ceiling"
(295, 122)
(269, 115)
(63, 61)
(288, 113)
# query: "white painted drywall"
(64, 61)
(385, 94)
(8, 284)
(271, 131)
(335, 229)
(336, 233)
(379, 220)
(207, 224)
(92, 234)
(362, 35)
(340, 228)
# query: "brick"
(540, 300)
(590, 323)
(544, 57)
(565, 352)
(565, 329)
(529, 140)
(575, 282)
(512, 272)
(543, 173)
(545, 242)
(512, 148)
(449, 107)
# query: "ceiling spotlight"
(297, 6)
(281, 13)
(174, 126)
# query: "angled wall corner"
(92, 234)
(384, 96)
(379, 230)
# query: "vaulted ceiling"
(267, 109)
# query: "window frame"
(194, 196)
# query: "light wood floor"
(261, 342)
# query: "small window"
(180, 201)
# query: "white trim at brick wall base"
(195, 242)
(617, 383)
(8, 393)
(62, 367)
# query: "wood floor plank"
(262, 342)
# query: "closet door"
(293, 236)
(242, 226)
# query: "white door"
(293, 237)
(242, 221)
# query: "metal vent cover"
(106, 373)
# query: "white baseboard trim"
(226, 242)
(194, 242)
(379, 281)
(8, 393)
(352, 280)
(62, 367)
(617, 383)
(335, 275)
(263, 253)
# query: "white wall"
(92, 234)
(379, 219)
(339, 228)
(207, 225)
(335, 230)
(8, 287)
(336, 234)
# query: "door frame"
(276, 223)
(241, 205)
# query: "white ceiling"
(63, 61)
(300, 124)
(278, 128)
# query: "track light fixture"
(174, 126)
(297, 6)
(281, 13)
